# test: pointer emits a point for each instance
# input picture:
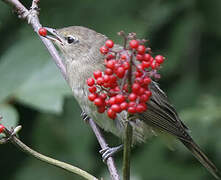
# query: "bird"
(79, 47)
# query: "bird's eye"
(71, 39)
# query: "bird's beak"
(55, 37)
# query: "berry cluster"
(124, 84)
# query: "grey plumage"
(83, 57)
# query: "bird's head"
(77, 43)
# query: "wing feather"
(162, 115)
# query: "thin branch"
(32, 17)
(103, 144)
(14, 140)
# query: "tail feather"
(202, 158)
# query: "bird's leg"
(84, 116)
(110, 151)
(107, 152)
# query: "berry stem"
(129, 75)
(123, 81)
(127, 150)
(128, 134)
(122, 33)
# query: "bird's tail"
(202, 158)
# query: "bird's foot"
(85, 117)
(109, 152)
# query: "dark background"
(34, 94)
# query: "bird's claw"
(109, 152)
(84, 116)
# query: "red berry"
(141, 49)
(144, 98)
(104, 50)
(132, 104)
(2, 128)
(117, 89)
(92, 96)
(140, 67)
(120, 98)
(90, 81)
(126, 65)
(159, 59)
(144, 106)
(138, 73)
(101, 109)
(141, 91)
(120, 72)
(113, 85)
(146, 80)
(139, 57)
(123, 105)
(103, 96)
(106, 85)
(106, 78)
(100, 81)
(112, 93)
(123, 56)
(132, 97)
(116, 108)
(42, 31)
(151, 59)
(131, 110)
(148, 93)
(135, 87)
(154, 65)
(109, 43)
(139, 80)
(116, 66)
(111, 114)
(146, 57)
(145, 64)
(98, 102)
(111, 64)
(97, 74)
(134, 44)
(110, 56)
(108, 71)
(92, 89)
(125, 88)
(112, 101)
(113, 79)
(140, 108)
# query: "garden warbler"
(80, 49)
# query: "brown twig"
(32, 18)
(110, 161)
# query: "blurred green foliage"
(34, 94)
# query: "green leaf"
(31, 77)
(44, 90)
(18, 63)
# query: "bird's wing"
(162, 115)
